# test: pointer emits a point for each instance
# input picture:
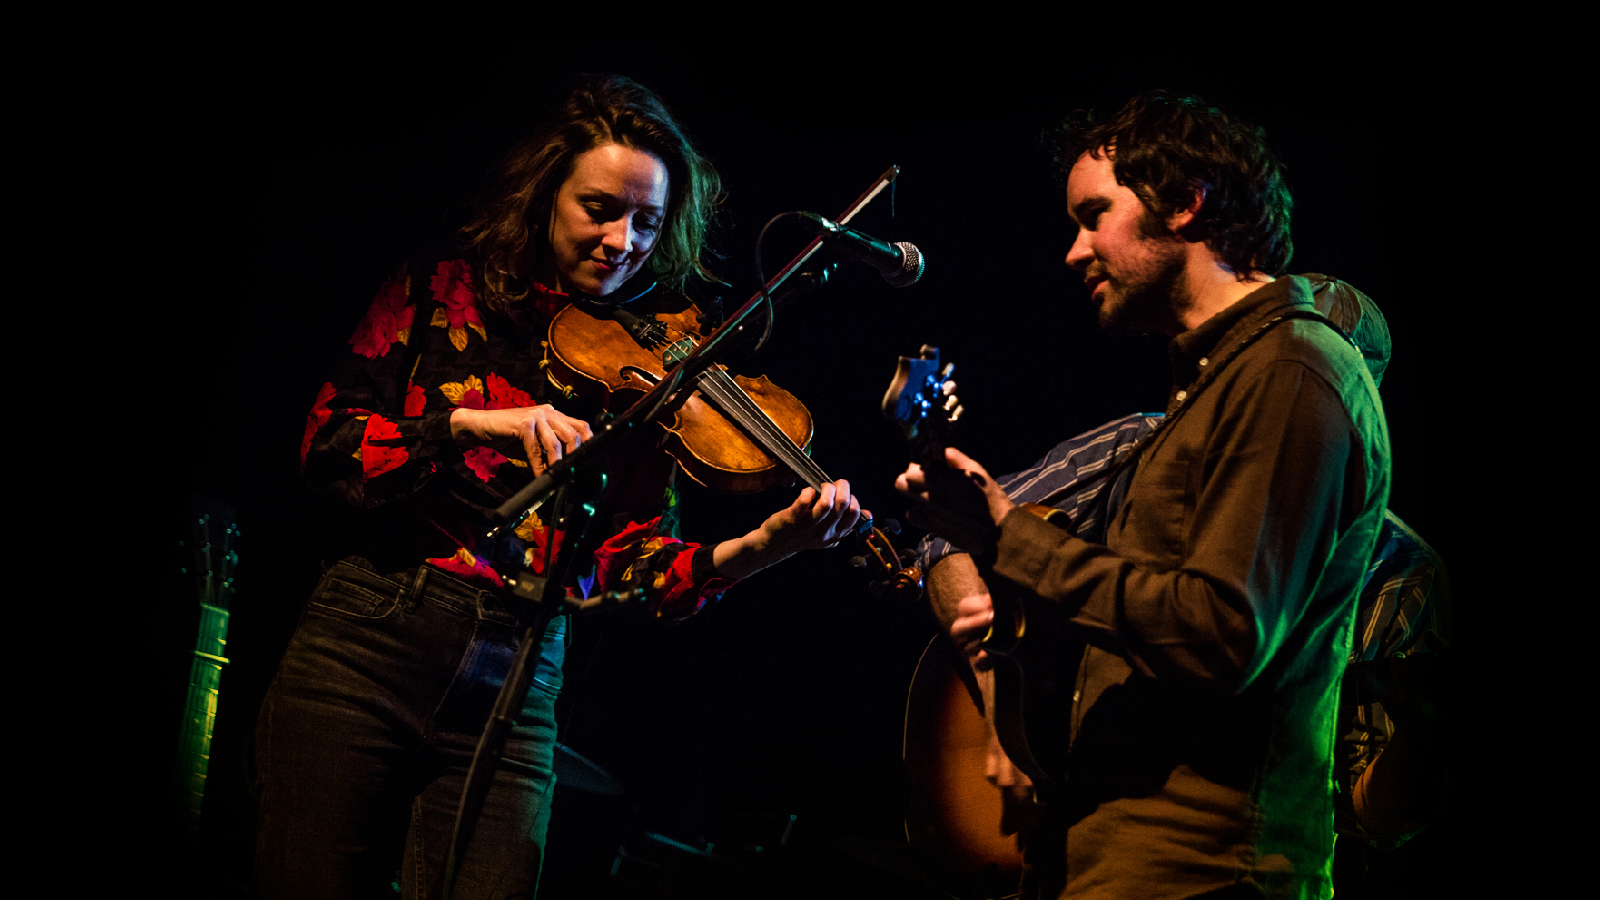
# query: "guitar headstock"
(921, 399)
(212, 553)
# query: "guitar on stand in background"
(211, 567)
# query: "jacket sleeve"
(1069, 479)
(1223, 541)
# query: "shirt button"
(1182, 396)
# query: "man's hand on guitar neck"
(961, 502)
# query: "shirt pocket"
(1160, 506)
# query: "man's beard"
(1145, 297)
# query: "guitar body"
(1034, 669)
(952, 811)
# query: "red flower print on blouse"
(468, 568)
(377, 459)
(388, 319)
(319, 416)
(659, 563)
(458, 308)
(416, 400)
(503, 396)
(468, 392)
(484, 461)
(535, 554)
(547, 302)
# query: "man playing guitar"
(1217, 612)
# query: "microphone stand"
(580, 471)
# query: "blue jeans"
(367, 732)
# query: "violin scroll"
(895, 573)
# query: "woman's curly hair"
(605, 110)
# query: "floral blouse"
(378, 437)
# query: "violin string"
(735, 402)
(742, 408)
(718, 385)
(732, 401)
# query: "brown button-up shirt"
(1219, 614)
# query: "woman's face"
(605, 220)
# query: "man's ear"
(1185, 221)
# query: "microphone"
(899, 263)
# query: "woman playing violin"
(440, 413)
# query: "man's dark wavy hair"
(607, 109)
(1164, 146)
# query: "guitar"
(1027, 696)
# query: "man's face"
(1131, 261)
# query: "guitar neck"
(214, 560)
(200, 711)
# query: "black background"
(286, 191)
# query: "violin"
(734, 433)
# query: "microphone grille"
(910, 270)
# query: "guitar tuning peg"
(951, 402)
(891, 526)
(858, 562)
(955, 414)
(947, 372)
(949, 387)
